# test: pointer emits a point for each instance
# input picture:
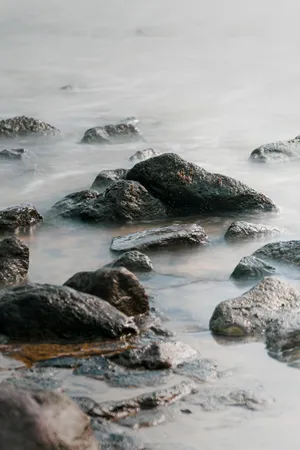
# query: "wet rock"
(141, 155)
(14, 153)
(245, 230)
(134, 261)
(19, 218)
(95, 367)
(252, 312)
(283, 336)
(250, 268)
(111, 438)
(107, 134)
(117, 286)
(277, 151)
(106, 178)
(38, 378)
(45, 421)
(14, 261)
(62, 362)
(200, 370)
(287, 252)
(181, 234)
(22, 126)
(43, 311)
(145, 419)
(73, 205)
(188, 189)
(157, 355)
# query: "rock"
(43, 311)
(287, 252)
(124, 201)
(67, 87)
(14, 261)
(244, 230)
(19, 218)
(188, 189)
(107, 134)
(181, 234)
(111, 438)
(141, 155)
(42, 420)
(251, 267)
(134, 261)
(117, 286)
(200, 370)
(157, 355)
(37, 378)
(283, 336)
(106, 178)
(251, 313)
(14, 153)
(22, 126)
(277, 151)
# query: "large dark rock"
(250, 268)
(188, 189)
(141, 155)
(43, 311)
(22, 126)
(121, 132)
(106, 178)
(134, 261)
(42, 420)
(14, 261)
(277, 151)
(19, 218)
(182, 234)
(245, 230)
(117, 286)
(124, 201)
(14, 153)
(287, 252)
(252, 312)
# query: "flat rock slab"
(14, 153)
(253, 311)
(134, 261)
(22, 126)
(142, 155)
(187, 234)
(14, 261)
(277, 151)
(106, 178)
(19, 218)
(246, 230)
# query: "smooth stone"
(250, 268)
(22, 126)
(19, 218)
(277, 151)
(14, 153)
(134, 261)
(253, 311)
(181, 234)
(142, 155)
(245, 230)
(106, 178)
(14, 261)
(107, 134)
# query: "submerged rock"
(182, 234)
(42, 420)
(43, 311)
(283, 336)
(141, 155)
(134, 261)
(244, 230)
(106, 178)
(121, 132)
(287, 252)
(112, 437)
(277, 151)
(117, 286)
(14, 261)
(14, 153)
(251, 267)
(188, 189)
(22, 125)
(18, 218)
(252, 312)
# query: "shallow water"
(208, 80)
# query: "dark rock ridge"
(107, 134)
(14, 153)
(124, 201)
(287, 252)
(245, 230)
(22, 125)
(182, 234)
(134, 261)
(42, 420)
(43, 311)
(117, 286)
(106, 178)
(19, 218)
(277, 151)
(253, 311)
(188, 189)
(141, 155)
(14, 261)
(251, 267)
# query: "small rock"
(106, 178)
(141, 155)
(251, 267)
(14, 261)
(22, 126)
(67, 87)
(277, 151)
(182, 234)
(19, 218)
(245, 230)
(199, 370)
(14, 153)
(134, 261)
(121, 132)
(252, 312)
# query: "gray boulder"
(141, 155)
(19, 218)
(22, 126)
(188, 189)
(277, 151)
(251, 267)
(14, 261)
(117, 286)
(134, 261)
(252, 312)
(121, 132)
(14, 153)
(245, 230)
(283, 336)
(287, 252)
(106, 178)
(43, 311)
(182, 234)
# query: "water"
(209, 81)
